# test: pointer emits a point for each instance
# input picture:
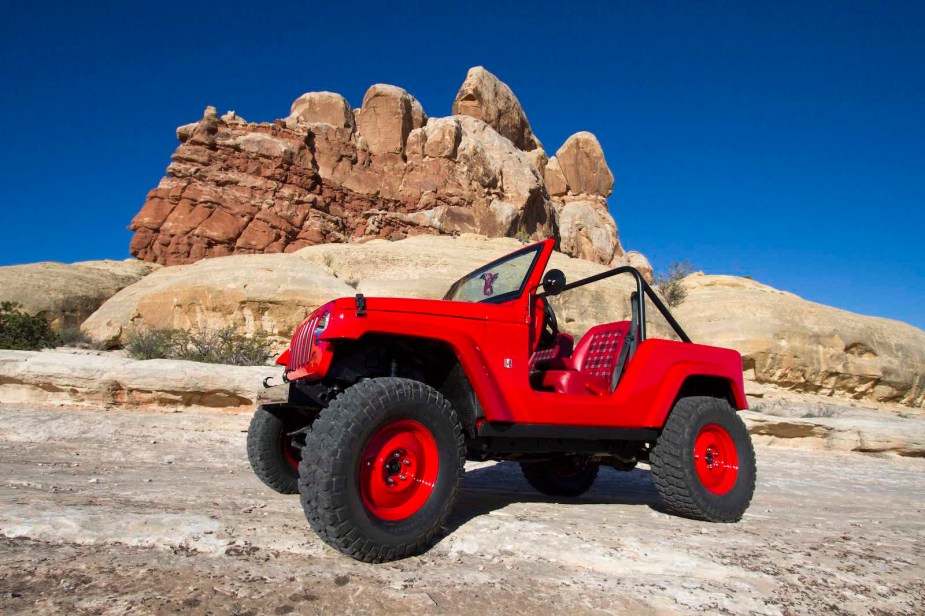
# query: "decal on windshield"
(489, 278)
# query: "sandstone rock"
(555, 179)
(442, 137)
(66, 294)
(804, 346)
(269, 188)
(254, 293)
(484, 96)
(583, 166)
(796, 424)
(326, 174)
(539, 159)
(322, 108)
(28, 377)
(386, 117)
(588, 231)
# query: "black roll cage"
(642, 290)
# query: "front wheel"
(381, 468)
(703, 462)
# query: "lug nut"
(406, 462)
(390, 481)
(403, 477)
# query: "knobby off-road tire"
(381, 468)
(569, 476)
(274, 462)
(703, 462)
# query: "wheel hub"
(716, 459)
(398, 470)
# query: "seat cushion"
(554, 357)
(574, 382)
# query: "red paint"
(398, 470)
(716, 459)
(484, 336)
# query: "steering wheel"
(550, 325)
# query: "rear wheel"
(561, 476)
(271, 452)
(381, 469)
(703, 462)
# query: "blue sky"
(782, 140)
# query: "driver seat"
(592, 365)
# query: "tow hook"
(266, 382)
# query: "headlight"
(322, 323)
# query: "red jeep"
(387, 399)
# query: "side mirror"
(553, 282)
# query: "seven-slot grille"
(302, 343)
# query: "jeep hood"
(431, 307)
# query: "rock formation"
(579, 182)
(256, 293)
(804, 346)
(331, 174)
(66, 294)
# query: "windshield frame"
(537, 249)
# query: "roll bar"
(642, 290)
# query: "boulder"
(268, 294)
(387, 116)
(804, 346)
(588, 231)
(581, 159)
(555, 179)
(66, 294)
(322, 108)
(487, 98)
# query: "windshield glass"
(497, 282)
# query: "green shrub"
(24, 332)
(671, 283)
(153, 343)
(221, 346)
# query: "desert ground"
(107, 511)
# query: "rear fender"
(689, 379)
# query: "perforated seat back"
(596, 353)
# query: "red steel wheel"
(291, 454)
(716, 459)
(398, 470)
